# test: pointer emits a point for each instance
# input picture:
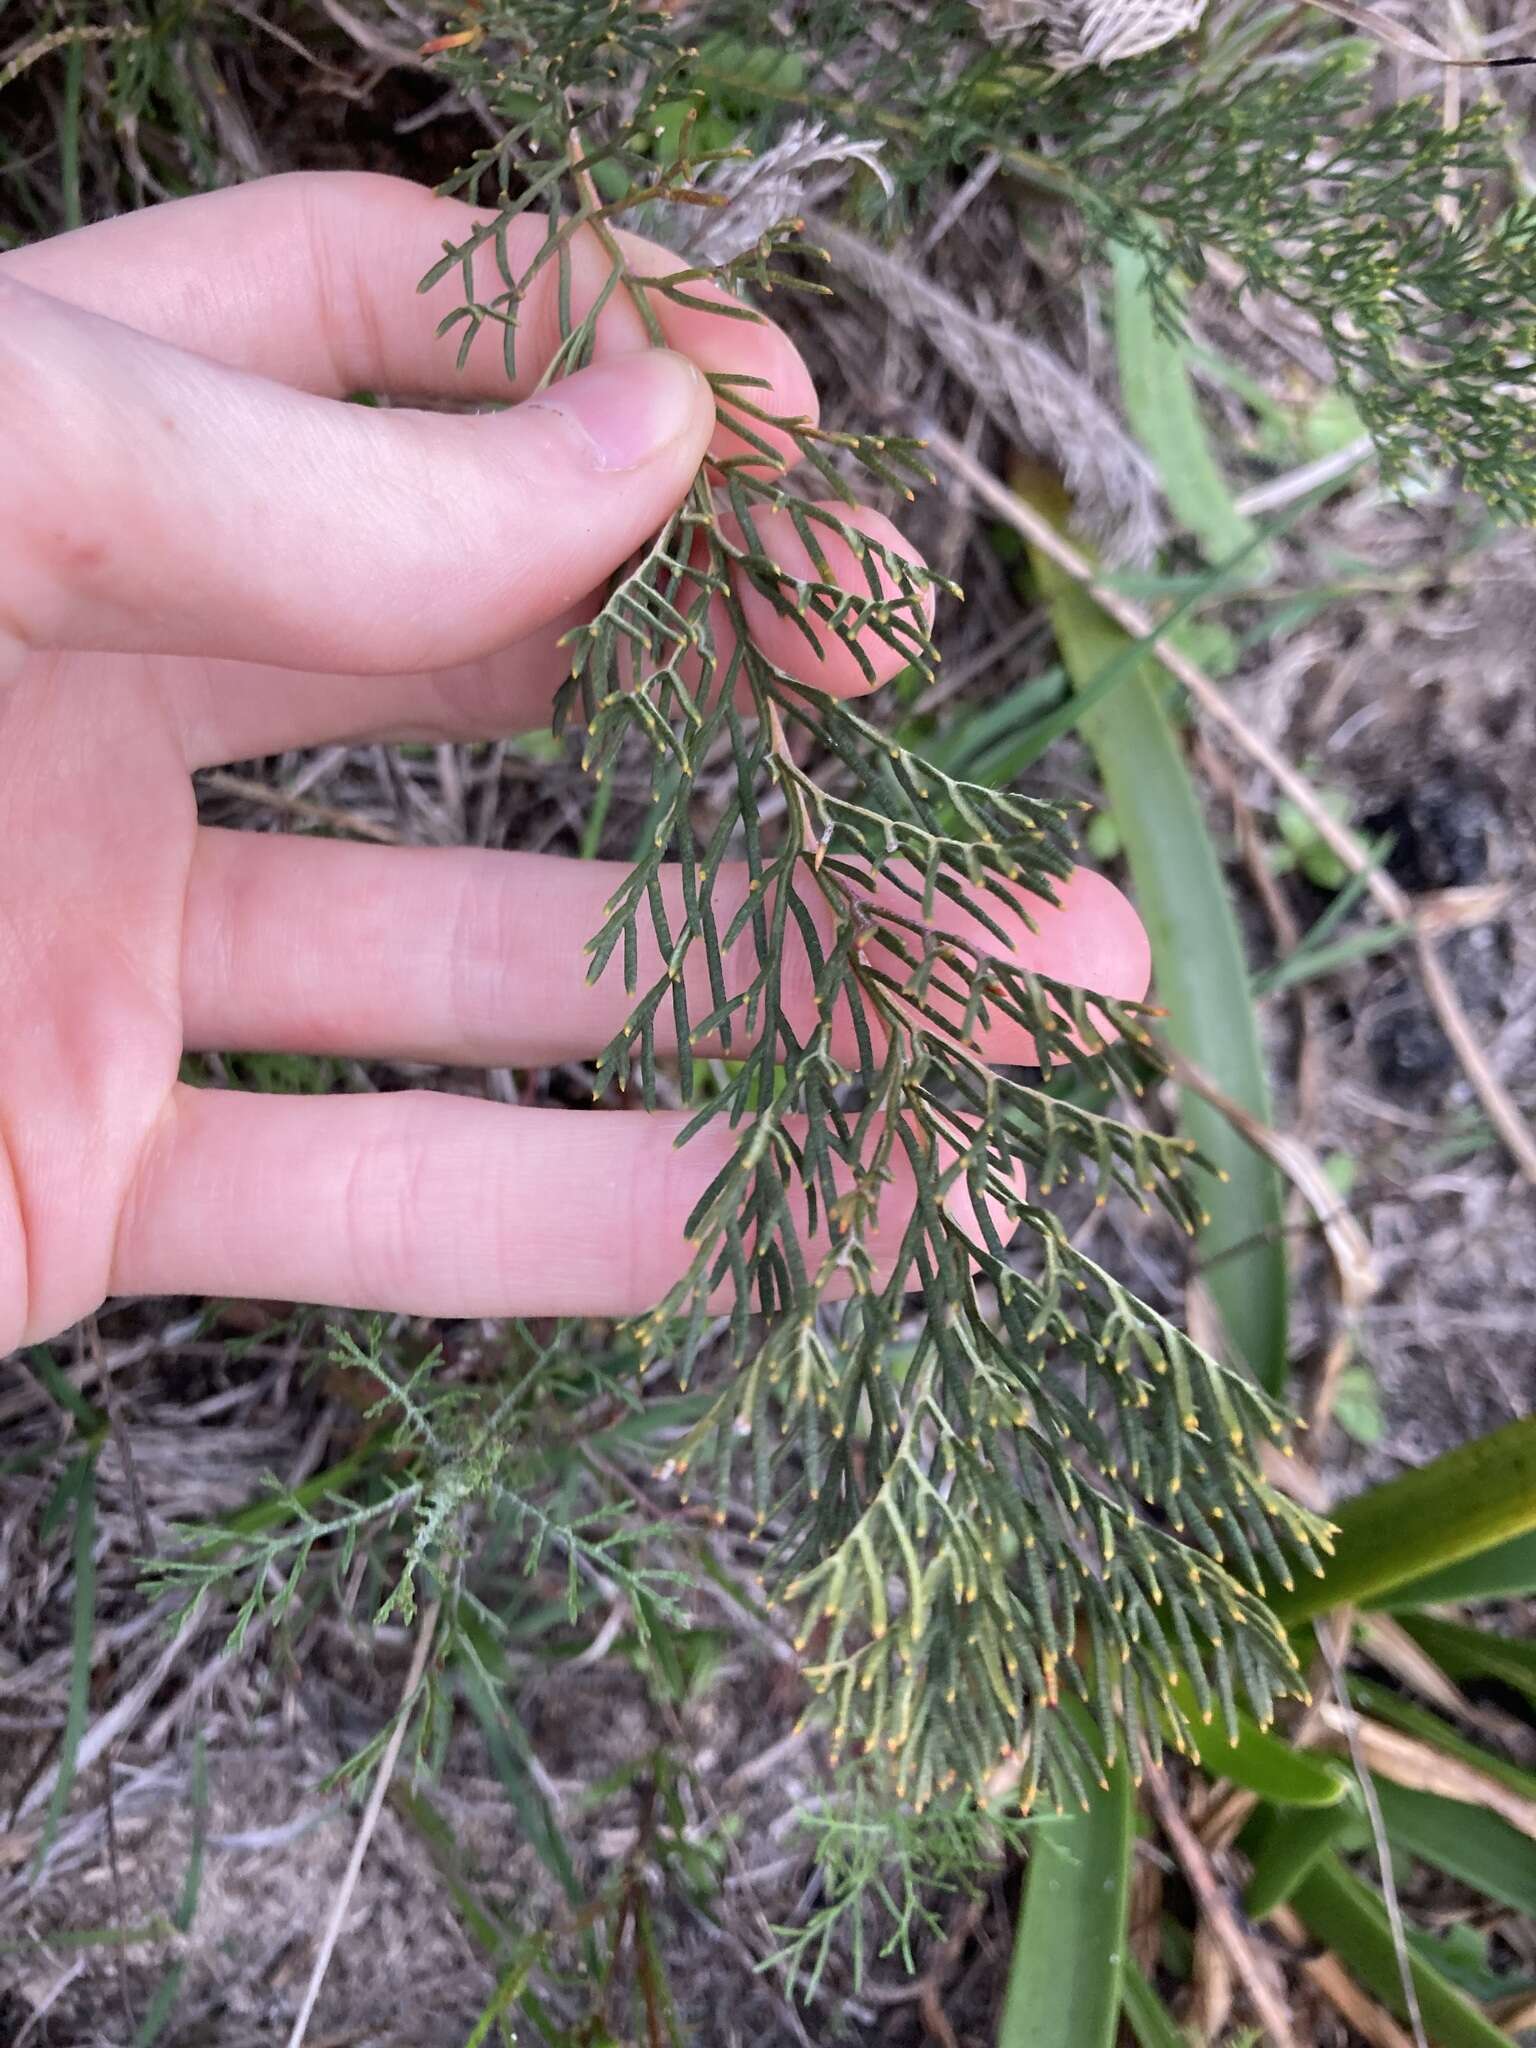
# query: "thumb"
(153, 501)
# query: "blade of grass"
(1290, 1845)
(1506, 1572)
(1129, 658)
(1479, 1848)
(492, 1935)
(1064, 1984)
(1462, 1503)
(69, 133)
(163, 2004)
(1463, 1652)
(1310, 963)
(1161, 406)
(506, 1744)
(506, 1994)
(1347, 1916)
(79, 1487)
(1198, 967)
(160, 2008)
(1145, 2013)
(981, 747)
(143, 1934)
(90, 1421)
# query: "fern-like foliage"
(1048, 1486)
(1270, 146)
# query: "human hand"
(207, 558)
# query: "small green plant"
(1059, 1469)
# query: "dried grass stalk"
(1102, 32)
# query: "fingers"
(462, 957)
(311, 279)
(437, 1205)
(238, 711)
(230, 516)
(794, 640)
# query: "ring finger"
(441, 1204)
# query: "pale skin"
(205, 557)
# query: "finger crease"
(12, 1199)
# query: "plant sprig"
(1035, 1483)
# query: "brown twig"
(1333, 1636)
(1346, 1241)
(1252, 1970)
(366, 1826)
(1212, 1983)
(223, 784)
(1327, 1976)
(1394, 902)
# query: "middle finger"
(462, 957)
(240, 710)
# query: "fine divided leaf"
(1054, 1468)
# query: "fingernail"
(629, 410)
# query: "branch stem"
(367, 1826)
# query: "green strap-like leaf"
(1285, 1845)
(1350, 1919)
(1258, 1761)
(1064, 1986)
(1506, 1572)
(77, 1490)
(1161, 406)
(1465, 1502)
(1465, 1841)
(1145, 2014)
(1198, 968)
(1463, 1652)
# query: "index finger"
(310, 278)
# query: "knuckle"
(56, 544)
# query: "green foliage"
(1159, 398)
(1464, 1503)
(1197, 957)
(1257, 1760)
(75, 1497)
(1351, 1919)
(1478, 1847)
(908, 1863)
(1470, 1654)
(1285, 1846)
(1297, 1849)
(1505, 1571)
(1149, 2020)
(1366, 217)
(1065, 1982)
(1336, 208)
(1057, 1460)
(437, 1449)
